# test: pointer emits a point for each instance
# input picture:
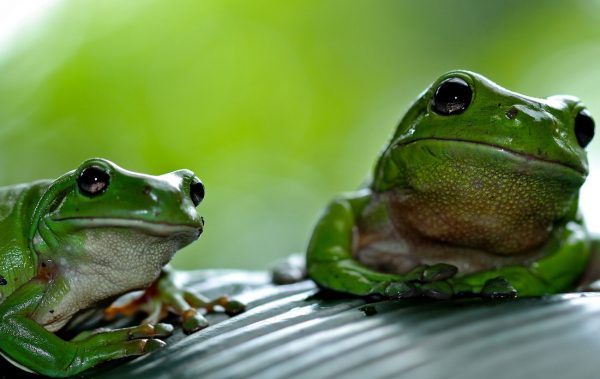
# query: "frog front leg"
(29, 345)
(165, 295)
(568, 254)
(331, 265)
(505, 282)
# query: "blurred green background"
(276, 105)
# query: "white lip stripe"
(155, 228)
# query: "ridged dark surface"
(294, 331)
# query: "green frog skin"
(476, 194)
(92, 234)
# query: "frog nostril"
(148, 191)
(512, 113)
(196, 191)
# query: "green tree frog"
(476, 194)
(94, 233)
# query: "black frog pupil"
(93, 181)
(452, 97)
(196, 192)
(584, 128)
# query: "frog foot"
(498, 288)
(424, 281)
(142, 331)
(163, 296)
(193, 320)
(400, 290)
(137, 340)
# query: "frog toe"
(438, 271)
(151, 344)
(401, 290)
(498, 288)
(439, 290)
(163, 330)
(234, 307)
(192, 321)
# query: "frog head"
(476, 165)
(110, 230)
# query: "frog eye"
(584, 128)
(452, 97)
(93, 181)
(196, 191)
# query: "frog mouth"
(581, 171)
(158, 229)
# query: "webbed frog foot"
(498, 288)
(146, 334)
(424, 281)
(164, 296)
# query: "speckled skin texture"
(489, 190)
(440, 218)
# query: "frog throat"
(478, 196)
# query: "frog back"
(17, 261)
